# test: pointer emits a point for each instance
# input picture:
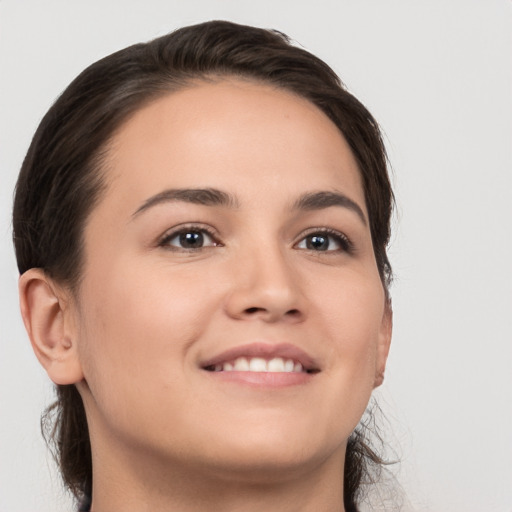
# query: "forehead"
(232, 134)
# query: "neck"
(135, 483)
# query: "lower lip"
(264, 379)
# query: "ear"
(49, 324)
(384, 343)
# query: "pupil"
(190, 240)
(318, 243)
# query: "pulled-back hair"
(62, 176)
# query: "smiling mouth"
(260, 364)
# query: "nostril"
(293, 313)
(253, 310)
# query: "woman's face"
(231, 314)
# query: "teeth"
(258, 364)
(241, 364)
(276, 365)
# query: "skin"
(165, 433)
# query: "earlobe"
(49, 326)
(384, 344)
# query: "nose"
(266, 287)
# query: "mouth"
(263, 358)
(259, 364)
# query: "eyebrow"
(215, 197)
(202, 196)
(326, 199)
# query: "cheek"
(142, 323)
(352, 318)
(352, 306)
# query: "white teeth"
(258, 364)
(241, 365)
(276, 365)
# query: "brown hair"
(61, 177)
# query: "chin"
(264, 465)
(265, 453)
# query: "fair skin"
(275, 262)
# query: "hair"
(62, 177)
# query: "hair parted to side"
(62, 176)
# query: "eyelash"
(345, 245)
(183, 230)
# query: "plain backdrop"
(437, 74)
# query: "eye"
(325, 241)
(189, 239)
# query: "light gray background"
(437, 74)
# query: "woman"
(201, 226)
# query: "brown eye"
(317, 242)
(189, 239)
(327, 241)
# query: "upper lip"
(266, 351)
